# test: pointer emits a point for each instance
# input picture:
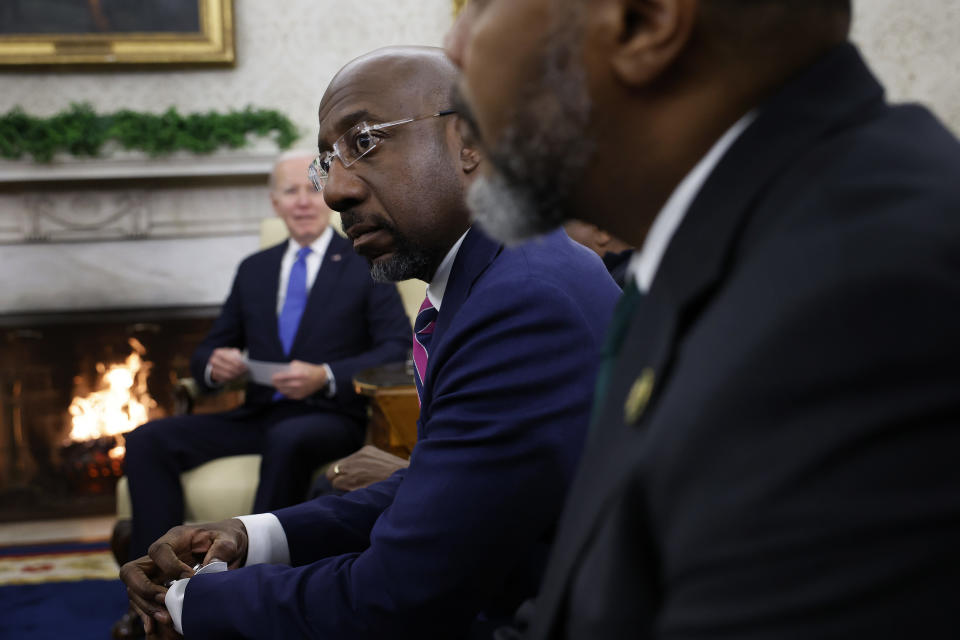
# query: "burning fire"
(121, 404)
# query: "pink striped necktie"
(422, 332)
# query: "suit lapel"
(476, 253)
(835, 89)
(268, 312)
(324, 287)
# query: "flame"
(121, 404)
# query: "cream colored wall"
(915, 49)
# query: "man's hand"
(302, 379)
(226, 365)
(162, 631)
(172, 557)
(146, 592)
(363, 468)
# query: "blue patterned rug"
(63, 590)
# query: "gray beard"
(505, 212)
(542, 154)
(403, 266)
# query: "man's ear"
(651, 36)
(469, 159)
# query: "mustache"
(351, 218)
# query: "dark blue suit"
(350, 323)
(461, 535)
(794, 472)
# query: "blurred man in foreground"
(773, 454)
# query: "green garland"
(80, 131)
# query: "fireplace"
(46, 360)
(96, 252)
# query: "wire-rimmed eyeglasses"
(358, 141)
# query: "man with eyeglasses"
(505, 347)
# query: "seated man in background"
(309, 301)
(507, 345)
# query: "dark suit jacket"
(464, 530)
(617, 264)
(794, 473)
(350, 323)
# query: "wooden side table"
(393, 406)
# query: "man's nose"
(343, 188)
(304, 196)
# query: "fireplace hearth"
(46, 360)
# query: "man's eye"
(364, 142)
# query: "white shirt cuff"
(208, 379)
(266, 539)
(331, 381)
(175, 593)
(174, 602)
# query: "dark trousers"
(292, 437)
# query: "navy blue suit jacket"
(350, 323)
(794, 472)
(464, 530)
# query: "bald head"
(421, 78)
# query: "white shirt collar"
(644, 263)
(438, 285)
(319, 246)
(313, 262)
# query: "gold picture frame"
(208, 40)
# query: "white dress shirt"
(644, 264)
(266, 540)
(438, 285)
(314, 260)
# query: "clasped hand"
(172, 557)
(226, 365)
(301, 380)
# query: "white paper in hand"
(262, 372)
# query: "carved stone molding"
(132, 213)
(85, 215)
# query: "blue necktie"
(295, 301)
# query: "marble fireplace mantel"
(128, 231)
(132, 165)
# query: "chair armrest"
(186, 393)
